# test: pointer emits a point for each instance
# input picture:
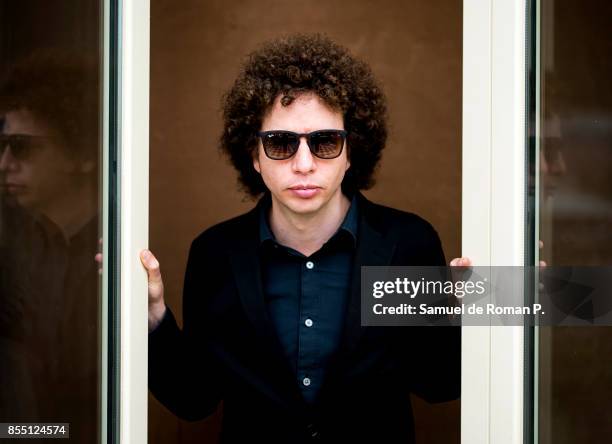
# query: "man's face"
(34, 179)
(305, 114)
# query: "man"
(271, 298)
(48, 238)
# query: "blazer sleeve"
(436, 371)
(183, 373)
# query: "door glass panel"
(51, 304)
(573, 194)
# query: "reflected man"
(48, 237)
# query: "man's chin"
(304, 206)
(24, 201)
(9, 199)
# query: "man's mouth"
(304, 191)
(303, 187)
(12, 187)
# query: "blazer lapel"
(245, 265)
(372, 249)
(246, 269)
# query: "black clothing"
(49, 323)
(228, 349)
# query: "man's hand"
(461, 262)
(98, 257)
(460, 266)
(157, 306)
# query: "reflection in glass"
(575, 211)
(49, 218)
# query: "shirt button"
(308, 322)
(312, 430)
(310, 265)
(306, 381)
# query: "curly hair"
(61, 89)
(288, 67)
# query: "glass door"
(571, 167)
(56, 220)
(73, 217)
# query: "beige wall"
(414, 47)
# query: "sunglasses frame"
(20, 154)
(342, 133)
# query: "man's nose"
(303, 160)
(6, 158)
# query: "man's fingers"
(461, 269)
(461, 262)
(157, 307)
(152, 265)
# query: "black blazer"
(228, 350)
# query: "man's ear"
(348, 159)
(256, 161)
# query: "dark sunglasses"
(21, 145)
(324, 144)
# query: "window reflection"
(49, 225)
(575, 211)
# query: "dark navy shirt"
(306, 297)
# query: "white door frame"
(133, 171)
(493, 215)
(494, 41)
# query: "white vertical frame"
(476, 210)
(133, 136)
(493, 208)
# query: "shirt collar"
(349, 224)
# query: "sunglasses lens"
(280, 145)
(327, 144)
(20, 146)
